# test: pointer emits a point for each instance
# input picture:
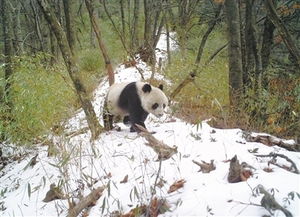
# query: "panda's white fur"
(136, 109)
(113, 96)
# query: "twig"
(204, 166)
(87, 201)
(274, 155)
(154, 188)
(164, 152)
(271, 141)
(269, 203)
(77, 132)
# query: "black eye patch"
(154, 106)
(164, 105)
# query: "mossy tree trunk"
(69, 10)
(8, 46)
(72, 68)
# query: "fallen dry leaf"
(176, 185)
(158, 206)
(268, 170)
(245, 174)
(205, 167)
(137, 211)
(125, 180)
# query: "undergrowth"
(274, 109)
(40, 97)
(207, 96)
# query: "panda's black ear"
(147, 88)
(161, 87)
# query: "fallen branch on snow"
(269, 203)
(274, 155)
(164, 152)
(89, 200)
(77, 132)
(204, 166)
(271, 141)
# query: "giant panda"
(133, 102)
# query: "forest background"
(236, 62)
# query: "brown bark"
(110, 72)
(69, 9)
(234, 53)
(287, 38)
(72, 68)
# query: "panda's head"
(152, 98)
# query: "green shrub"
(40, 97)
(275, 109)
(205, 97)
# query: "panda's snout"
(160, 115)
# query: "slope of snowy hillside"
(129, 170)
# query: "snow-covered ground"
(81, 165)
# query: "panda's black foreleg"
(126, 120)
(137, 119)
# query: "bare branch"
(87, 201)
(274, 155)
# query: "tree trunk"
(8, 46)
(207, 33)
(18, 45)
(102, 46)
(37, 26)
(148, 23)
(122, 16)
(249, 56)
(135, 38)
(267, 42)
(243, 41)
(168, 43)
(52, 46)
(287, 38)
(234, 53)
(69, 9)
(193, 73)
(72, 68)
